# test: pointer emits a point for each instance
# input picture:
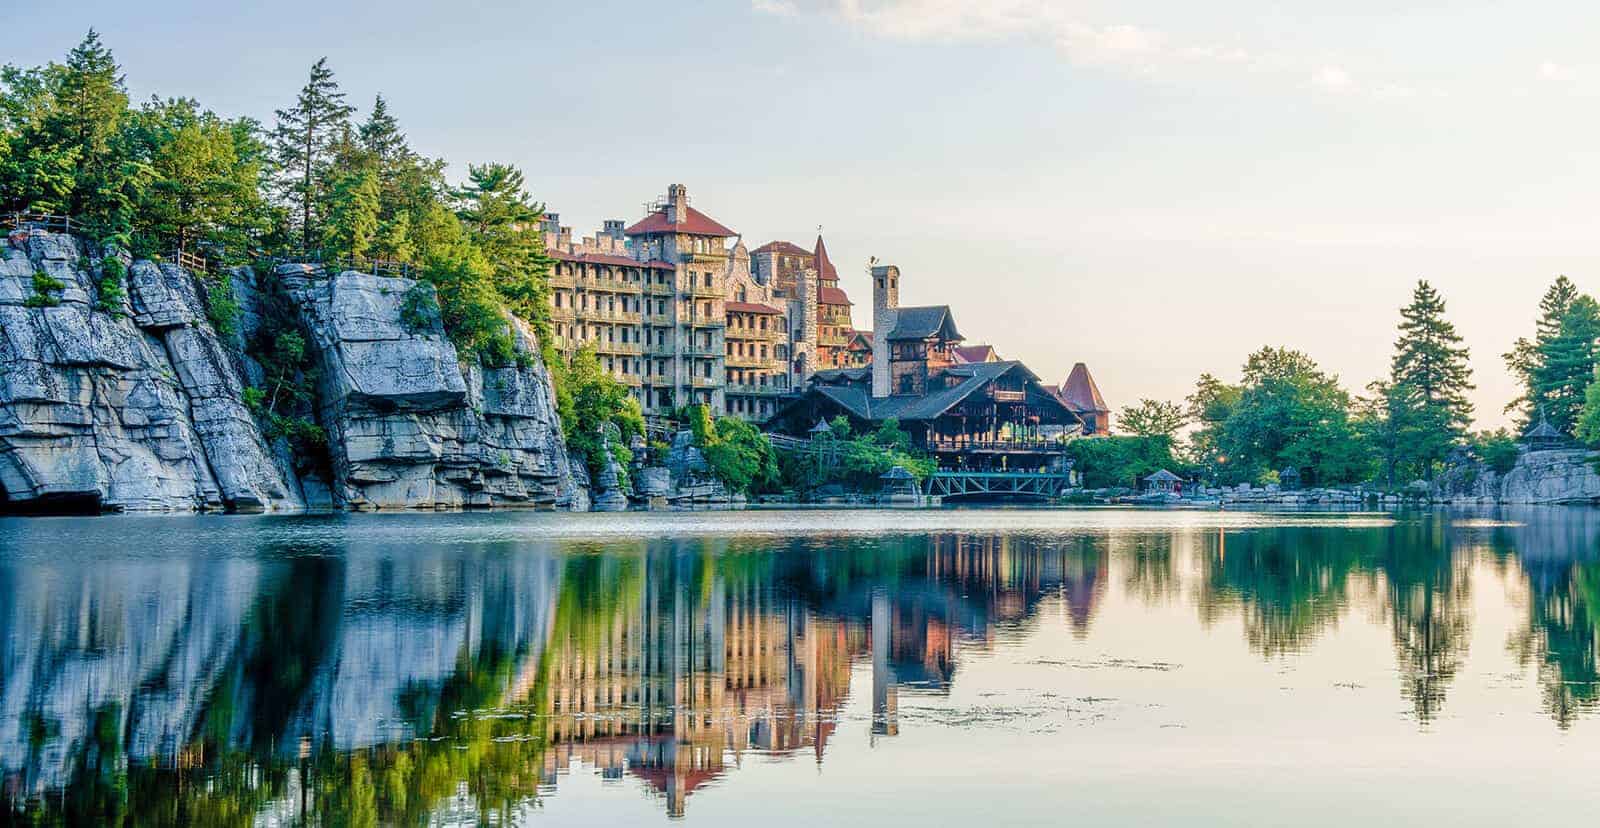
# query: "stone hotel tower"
(885, 305)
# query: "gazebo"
(1289, 478)
(1544, 437)
(1163, 482)
(821, 429)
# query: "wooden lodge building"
(985, 414)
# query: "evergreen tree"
(1525, 357)
(380, 134)
(504, 222)
(1428, 383)
(302, 142)
(1566, 364)
(205, 174)
(91, 105)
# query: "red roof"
(782, 247)
(976, 353)
(825, 269)
(1080, 393)
(603, 258)
(751, 307)
(832, 296)
(863, 337)
(695, 223)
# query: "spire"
(825, 269)
(1080, 391)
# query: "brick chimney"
(885, 302)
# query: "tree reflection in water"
(362, 684)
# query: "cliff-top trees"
(301, 144)
(63, 126)
(1428, 383)
(206, 174)
(504, 222)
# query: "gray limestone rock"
(411, 428)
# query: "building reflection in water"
(397, 683)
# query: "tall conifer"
(301, 144)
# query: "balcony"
(627, 348)
(747, 361)
(756, 334)
(1019, 445)
(700, 291)
(706, 382)
(562, 314)
(612, 316)
(756, 390)
(700, 352)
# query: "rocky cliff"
(134, 403)
(1560, 476)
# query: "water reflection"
(342, 680)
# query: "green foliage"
(1287, 413)
(221, 308)
(736, 452)
(504, 222)
(45, 288)
(205, 175)
(1526, 358)
(1121, 462)
(1567, 365)
(419, 308)
(591, 402)
(469, 306)
(853, 461)
(286, 401)
(1152, 418)
(110, 291)
(302, 147)
(1425, 406)
(1497, 449)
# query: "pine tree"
(1566, 364)
(301, 144)
(1525, 357)
(1428, 381)
(504, 222)
(380, 134)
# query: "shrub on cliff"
(590, 401)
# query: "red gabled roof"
(751, 307)
(832, 296)
(695, 223)
(1080, 393)
(603, 258)
(781, 247)
(825, 269)
(864, 337)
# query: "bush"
(853, 461)
(736, 452)
(112, 271)
(590, 401)
(45, 288)
(221, 308)
(419, 308)
(1497, 450)
(1112, 462)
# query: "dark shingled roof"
(858, 399)
(923, 322)
(1080, 392)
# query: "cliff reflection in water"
(357, 681)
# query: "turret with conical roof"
(1082, 395)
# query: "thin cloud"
(1138, 49)
(1556, 72)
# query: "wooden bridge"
(949, 483)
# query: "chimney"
(677, 204)
(551, 224)
(885, 301)
(806, 331)
(612, 229)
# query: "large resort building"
(677, 309)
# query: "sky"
(1153, 187)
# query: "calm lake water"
(1096, 667)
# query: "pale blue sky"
(1155, 188)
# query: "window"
(907, 383)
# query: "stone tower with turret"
(885, 305)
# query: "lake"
(989, 667)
